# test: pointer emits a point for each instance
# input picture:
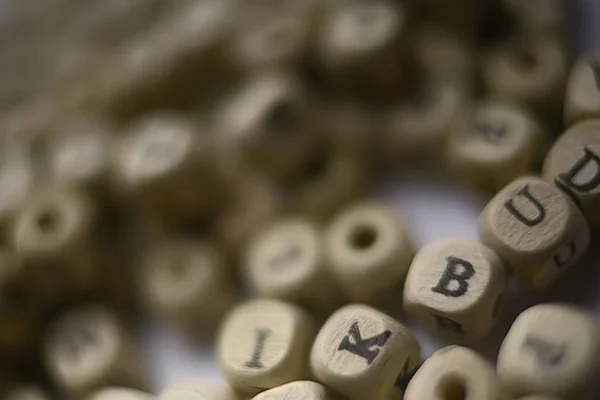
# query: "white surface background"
(434, 209)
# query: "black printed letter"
(548, 354)
(565, 254)
(453, 274)
(489, 131)
(354, 343)
(261, 337)
(592, 183)
(541, 214)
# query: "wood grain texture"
(573, 164)
(455, 372)
(263, 344)
(457, 286)
(368, 249)
(364, 354)
(198, 390)
(493, 143)
(582, 99)
(299, 390)
(89, 348)
(535, 229)
(551, 349)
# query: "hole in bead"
(363, 237)
(453, 388)
(47, 220)
(283, 116)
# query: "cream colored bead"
(535, 229)
(188, 283)
(573, 164)
(551, 349)
(17, 180)
(299, 390)
(369, 250)
(88, 348)
(119, 393)
(493, 144)
(582, 100)
(530, 74)
(415, 133)
(537, 397)
(269, 125)
(196, 390)
(454, 373)
(263, 344)
(286, 261)
(457, 286)
(364, 354)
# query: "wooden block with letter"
(298, 390)
(536, 229)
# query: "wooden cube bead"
(119, 393)
(582, 100)
(165, 164)
(530, 74)
(286, 261)
(360, 48)
(535, 229)
(493, 144)
(53, 232)
(455, 372)
(263, 344)
(551, 349)
(88, 348)
(364, 354)
(369, 249)
(268, 125)
(416, 131)
(573, 164)
(196, 390)
(457, 286)
(298, 390)
(187, 282)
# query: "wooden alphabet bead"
(165, 164)
(53, 233)
(286, 261)
(187, 282)
(119, 393)
(196, 390)
(530, 74)
(88, 348)
(364, 354)
(492, 144)
(573, 164)
(535, 229)
(263, 344)
(453, 373)
(551, 349)
(457, 286)
(268, 125)
(360, 48)
(369, 249)
(299, 390)
(582, 100)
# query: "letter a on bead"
(354, 343)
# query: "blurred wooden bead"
(455, 372)
(165, 164)
(286, 261)
(299, 390)
(551, 349)
(364, 354)
(187, 283)
(360, 48)
(263, 344)
(349, 129)
(582, 100)
(196, 390)
(415, 132)
(119, 393)
(538, 17)
(268, 125)
(17, 180)
(88, 348)
(537, 397)
(535, 229)
(26, 392)
(53, 232)
(530, 74)
(492, 144)
(369, 249)
(457, 286)
(573, 164)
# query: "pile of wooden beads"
(215, 168)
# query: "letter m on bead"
(366, 348)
